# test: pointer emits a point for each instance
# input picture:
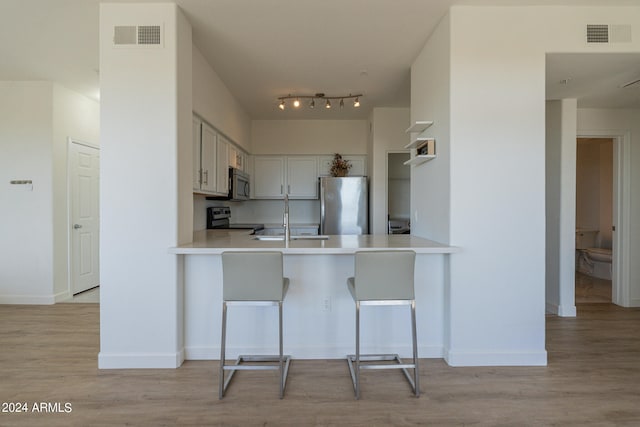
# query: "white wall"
(626, 124)
(142, 130)
(560, 187)
(309, 136)
(430, 182)
(388, 135)
(36, 118)
(214, 103)
(497, 167)
(26, 225)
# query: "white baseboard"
(635, 302)
(63, 296)
(461, 358)
(561, 310)
(140, 360)
(28, 299)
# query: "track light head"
(356, 103)
(281, 105)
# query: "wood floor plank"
(49, 354)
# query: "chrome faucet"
(285, 220)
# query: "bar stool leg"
(357, 350)
(416, 380)
(281, 350)
(222, 349)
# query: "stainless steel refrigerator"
(344, 204)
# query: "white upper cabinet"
(213, 154)
(197, 167)
(302, 177)
(268, 177)
(208, 159)
(358, 165)
(222, 165)
(236, 158)
(273, 176)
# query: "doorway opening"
(620, 212)
(594, 220)
(84, 220)
(398, 193)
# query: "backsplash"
(257, 211)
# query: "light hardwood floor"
(49, 354)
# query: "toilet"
(590, 259)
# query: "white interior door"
(84, 175)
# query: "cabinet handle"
(288, 188)
(200, 176)
(206, 177)
(281, 188)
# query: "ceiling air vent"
(142, 35)
(604, 33)
(597, 33)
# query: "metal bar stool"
(253, 278)
(383, 278)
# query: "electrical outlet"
(326, 304)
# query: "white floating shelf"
(419, 159)
(419, 141)
(419, 126)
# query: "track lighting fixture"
(321, 96)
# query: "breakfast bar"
(318, 310)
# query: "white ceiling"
(263, 49)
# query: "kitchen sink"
(281, 238)
(310, 237)
(268, 237)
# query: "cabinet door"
(302, 177)
(208, 158)
(197, 168)
(268, 177)
(358, 165)
(222, 166)
(233, 155)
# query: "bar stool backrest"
(384, 275)
(252, 276)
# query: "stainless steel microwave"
(239, 187)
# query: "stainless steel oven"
(239, 187)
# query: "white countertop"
(214, 242)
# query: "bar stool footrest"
(286, 360)
(351, 360)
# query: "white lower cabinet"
(275, 176)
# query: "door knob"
(76, 226)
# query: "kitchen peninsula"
(319, 314)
